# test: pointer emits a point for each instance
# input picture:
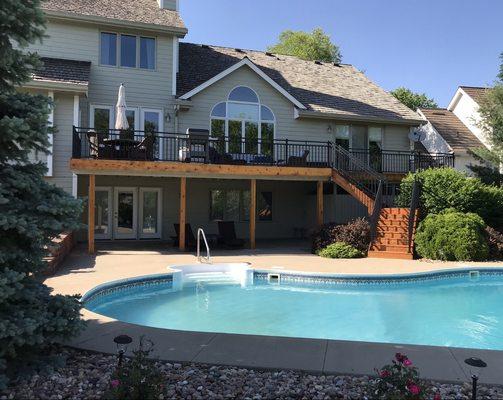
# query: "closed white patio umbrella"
(120, 115)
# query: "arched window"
(243, 124)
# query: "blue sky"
(428, 46)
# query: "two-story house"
(276, 144)
(456, 129)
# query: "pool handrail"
(207, 259)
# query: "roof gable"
(449, 126)
(337, 90)
(230, 70)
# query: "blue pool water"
(451, 311)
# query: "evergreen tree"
(32, 211)
(315, 46)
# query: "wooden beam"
(197, 170)
(90, 214)
(183, 212)
(253, 211)
(319, 203)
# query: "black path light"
(476, 365)
(122, 342)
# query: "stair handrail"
(207, 259)
(376, 212)
(414, 206)
(355, 165)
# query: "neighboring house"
(456, 129)
(280, 127)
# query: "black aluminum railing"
(161, 146)
(402, 162)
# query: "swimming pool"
(456, 308)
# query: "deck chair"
(199, 144)
(227, 235)
(296, 160)
(145, 149)
(190, 239)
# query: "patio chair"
(190, 239)
(199, 144)
(145, 149)
(227, 235)
(298, 160)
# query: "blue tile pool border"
(292, 277)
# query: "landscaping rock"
(87, 376)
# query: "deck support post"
(253, 211)
(90, 214)
(319, 203)
(183, 212)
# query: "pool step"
(210, 278)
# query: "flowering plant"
(137, 378)
(400, 381)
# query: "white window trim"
(257, 70)
(50, 137)
(107, 189)
(243, 121)
(160, 111)
(138, 51)
(136, 117)
(76, 122)
(157, 235)
(111, 120)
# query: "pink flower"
(384, 374)
(115, 383)
(414, 389)
(437, 396)
(407, 362)
(400, 357)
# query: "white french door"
(152, 121)
(150, 213)
(125, 213)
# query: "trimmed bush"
(340, 250)
(495, 241)
(452, 236)
(444, 188)
(355, 233)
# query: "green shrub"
(452, 236)
(340, 250)
(355, 233)
(495, 242)
(443, 188)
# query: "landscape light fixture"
(476, 365)
(122, 342)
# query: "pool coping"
(316, 356)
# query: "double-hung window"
(127, 51)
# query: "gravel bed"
(87, 375)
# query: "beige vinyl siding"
(294, 203)
(144, 88)
(63, 122)
(394, 137)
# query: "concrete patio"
(82, 272)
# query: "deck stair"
(392, 229)
(392, 239)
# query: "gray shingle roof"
(476, 93)
(321, 87)
(450, 127)
(142, 11)
(65, 71)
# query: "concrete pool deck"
(82, 272)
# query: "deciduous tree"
(413, 100)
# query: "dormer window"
(127, 51)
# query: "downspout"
(177, 109)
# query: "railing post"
(286, 151)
